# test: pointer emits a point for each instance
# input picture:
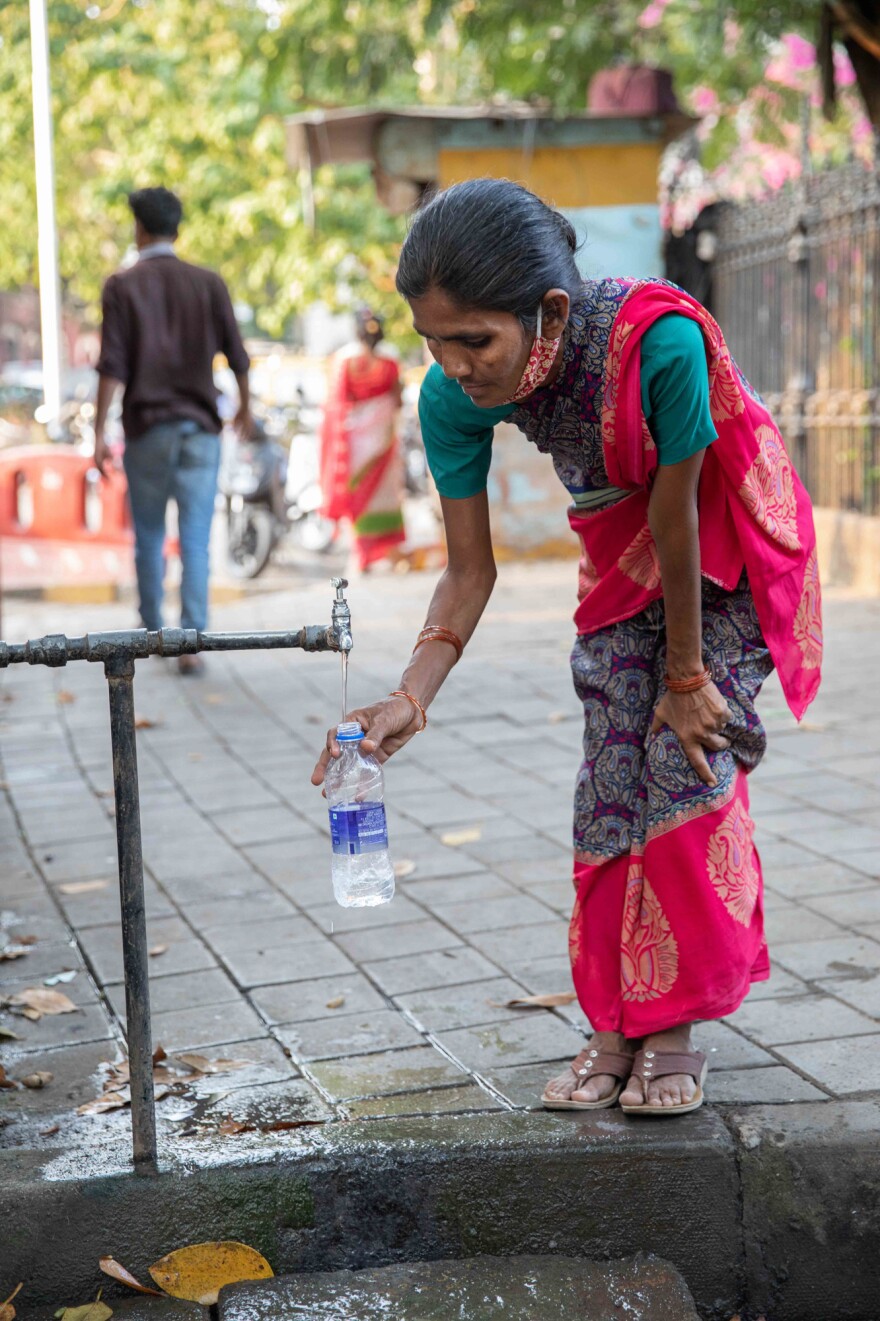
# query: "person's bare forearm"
(674, 522)
(244, 392)
(457, 604)
(107, 387)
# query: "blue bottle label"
(358, 828)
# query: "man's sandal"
(589, 1062)
(651, 1064)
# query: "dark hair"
(492, 244)
(369, 327)
(158, 210)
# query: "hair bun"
(566, 229)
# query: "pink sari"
(672, 930)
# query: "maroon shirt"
(164, 321)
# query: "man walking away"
(163, 323)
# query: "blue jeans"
(174, 460)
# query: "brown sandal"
(650, 1064)
(589, 1062)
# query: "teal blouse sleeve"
(675, 388)
(457, 435)
(675, 399)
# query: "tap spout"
(341, 616)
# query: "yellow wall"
(604, 175)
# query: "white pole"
(47, 239)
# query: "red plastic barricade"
(60, 520)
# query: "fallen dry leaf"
(230, 1128)
(64, 697)
(60, 977)
(556, 717)
(201, 1064)
(157, 950)
(215, 699)
(36, 1001)
(101, 1104)
(8, 1083)
(469, 835)
(50, 1132)
(82, 887)
(96, 1311)
(144, 722)
(7, 1034)
(38, 1080)
(10, 952)
(404, 868)
(117, 1272)
(337, 1002)
(536, 1001)
(198, 1272)
(26, 940)
(7, 1311)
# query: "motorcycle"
(270, 492)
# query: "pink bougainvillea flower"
(651, 17)
(794, 57)
(844, 73)
(704, 100)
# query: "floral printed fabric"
(667, 924)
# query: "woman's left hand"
(697, 719)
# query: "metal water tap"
(341, 616)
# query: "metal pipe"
(55, 649)
(120, 678)
(47, 234)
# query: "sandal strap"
(591, 1060)
(650, 1064)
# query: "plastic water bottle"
(361, 868)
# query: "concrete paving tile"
(845, 1067)
(513, 946)
(726, 1049)
(207, 1025)
(91, 1023)
(552, 867)
(188, 990)
(771, 1086)
(558, 895)
(438, 862)
(349, 1034)
(530, 848)
(267, 1063)
(20, 920)
(74, 1078)
(854, 908)
(437, 968)
(263, 825)
(458, 889)
(442, 1101)
(865, 860)
(804, 1018)
(81, 860)
(492, 914)
(101, 907)
(409, 1070)
(537, 1037)
(260, 933)
(797, 924)
(301, 1002)
(42, 960)
(397, 941)
(464, 1005)
(258, 904)
(546, 975)
(291, 1102)
(236, 883)
(333, 918)
(524, 1084)
(783, 853)
(863, 993)
(780, 985)
(846, 956)
(288, 963)
(817, 878)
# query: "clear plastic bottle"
(362, 871)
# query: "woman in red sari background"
(361, 467)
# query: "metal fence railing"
(796, 289)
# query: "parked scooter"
(270, 491)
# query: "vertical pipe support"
(120, 679)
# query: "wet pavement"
(399, 1011)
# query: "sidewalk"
(398, 1011)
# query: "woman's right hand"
(387, 724)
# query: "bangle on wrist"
(398, 692)
(690, 685)
(436, 633)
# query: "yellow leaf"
(469, 835)
(404, 868)
(337, 1002)
(144, 722)
(36, 1000)
(64, 698)
(198, 1272)
(37, 1080)
(117, 1272)
(82, 887)
(96, 1311)
(201, 1064)
(157, 950)
(537, 1001)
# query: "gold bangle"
(398, 692)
